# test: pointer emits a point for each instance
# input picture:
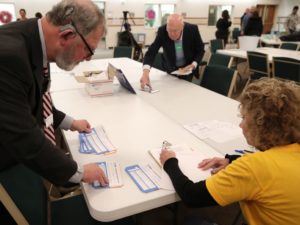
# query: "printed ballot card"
(145, 177)
(112, 171)
(96, 142)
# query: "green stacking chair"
(216, 44)
(236, 32)
(123, 51)
(23, 194)
(288, 46)
(286, 68)
(220, 60)
(258, 65)
(158, 61)
(219, 79)
(216, 59)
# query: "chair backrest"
(216, 44)
(123, 51)
(219, 79)
(258, 65)
(236, 32)
(248, 43)
(286, 68)
(158, 61)
(220, 59)
(23, 194)
(288, 46)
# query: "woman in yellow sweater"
(265, 183)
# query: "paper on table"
(188, 163)
(215, 130)
(182, 72)
(112, 171)
(96, 142)
(183, 148)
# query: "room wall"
(192, 8)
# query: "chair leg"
(11, 207)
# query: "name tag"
(49, 120)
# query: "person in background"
(265, 183)
(254, 25)
(22, 13)
(245, 18)
(182, 49)
(38, 15)
(67, 35)
(293, 20)
(223, 25)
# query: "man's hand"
(81, 126)
(145, 81)
(216, 163)
(92, 172)
(165, 155)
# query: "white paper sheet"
(215, 130)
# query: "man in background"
(293, 20)
(182, 49)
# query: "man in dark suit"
(182, 49)
(66, 35)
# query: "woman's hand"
(215, 163)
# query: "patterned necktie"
(47, 109)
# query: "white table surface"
(187, 103)
(272, 52)
(273, 40)
(137, 123)
(181, 101)
(134, 127)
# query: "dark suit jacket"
(21, 78)
(193, 47)
(254, 26)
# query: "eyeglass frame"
(83, 39)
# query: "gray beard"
(64, 60)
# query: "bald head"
(175, 26)
(175, 19)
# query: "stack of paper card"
(95, 142)
(97, 82)
(181, 72)
(112, 171)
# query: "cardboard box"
(97, 83)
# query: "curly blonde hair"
(272, 107)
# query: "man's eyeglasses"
(84, 40)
